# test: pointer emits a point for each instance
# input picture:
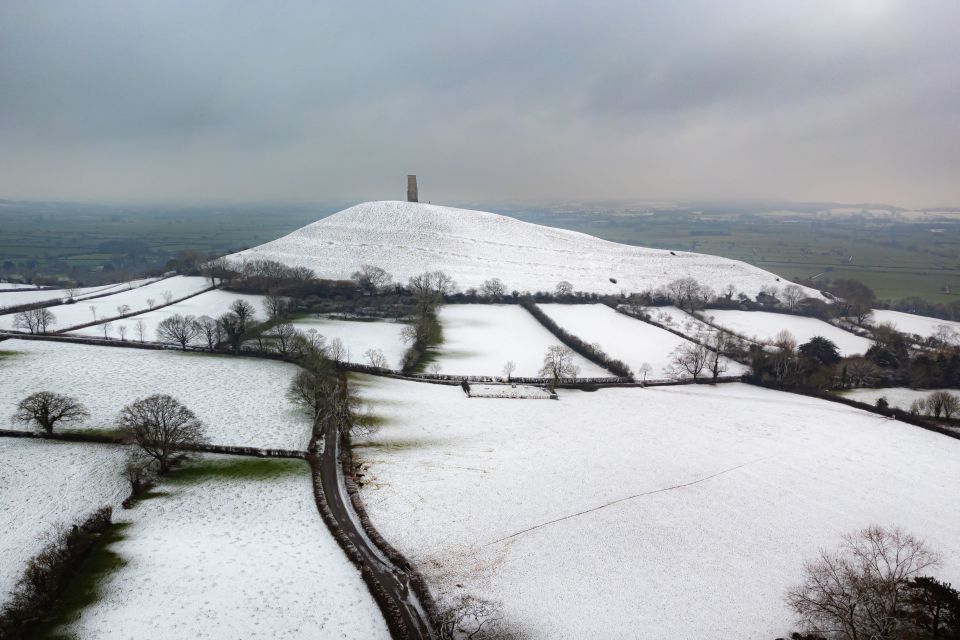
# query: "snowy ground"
(70, 315)
(408, 238)
(695, 494)
(624, 338)
(45, 484)
(516, 391)
(764, 326)
(29, 295)
(479, 339)
(912, 324)
(897, 397)
(681, 321)
(358, 337)
(241, 400)
(211, 303)
(232, 558)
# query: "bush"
(48, 573)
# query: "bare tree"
(508, 370)
(861, 372)
(370, 279)
(719, 342)
(123, 309)
(494, 288)
(34, 320)
(689, 359)
(337, 351)
(376, 358)
(138, 472)
(314, 390)
(686, 293)
(93, 311)
(563, 289)
(791, 296)
(276, 307)
(46, 409)
(858, 591)
(244, 312)
(106, 327)
(471, 618)
(728, 291)
(179, 329)
(167, 296)
(122, 330)
(163, 428)
(434, 368)
(942, 403)
(558, 364)
(283, 335)
(645, 370)
(210, 330)
(140, 326)
(945, 337)
(151, 303)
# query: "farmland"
(582, 526)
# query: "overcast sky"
(843, 100)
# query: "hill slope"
(472, 246)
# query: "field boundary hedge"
(618, 367)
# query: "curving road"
(405, 613)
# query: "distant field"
(897, 258)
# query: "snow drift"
(408, 238)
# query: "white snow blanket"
(633, 341)
(763, 326)
(210, 303)
(479, 339)
(604, 513)
(228, 558)
(909, 323)
(408, 238)
(137, 299)
(242, 401)
(44, 485)
(359, 337)
(30, 294)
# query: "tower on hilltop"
(412, 189)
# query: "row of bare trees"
(162, 428)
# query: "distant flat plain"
(897, 253)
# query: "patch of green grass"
(111, 433)
(10, 354)
(84, 588)
(239, 468)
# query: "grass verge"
(84, 588)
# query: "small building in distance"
(412, 189)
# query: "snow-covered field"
(764, 326)
(210, 303)
(30, 294)
(358, 337)
(922, 326)
(70, 315)
(473, 246)
(45, 484)
(897, 397)
(232, 558)
(479, 339)
(624, 338)
(241, 400)
(681, 321)
(605, 513)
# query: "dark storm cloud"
(854, 100)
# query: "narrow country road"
(393, 581)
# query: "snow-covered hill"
(472, 246)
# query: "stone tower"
(412, 189)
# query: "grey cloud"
(178, 100)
